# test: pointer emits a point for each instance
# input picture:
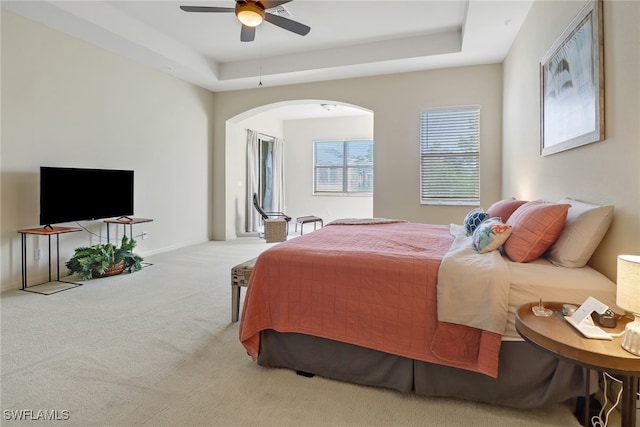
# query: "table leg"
(235, 302)
(49, 236)
(58, 257)
(629, 398)
(23, 249)
(587, 397)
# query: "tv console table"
(44, 231)
(125, 221)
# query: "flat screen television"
(75, 194)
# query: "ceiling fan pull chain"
(260, 69)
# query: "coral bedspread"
(368, 285)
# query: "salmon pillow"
(504, 208)
(535, 227)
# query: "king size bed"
(418, 308)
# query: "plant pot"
(112, 270)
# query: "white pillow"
(584, 228)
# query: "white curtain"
(278, 175)
(252, 218)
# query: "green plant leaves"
(86, 260)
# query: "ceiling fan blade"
(247, 34)
(287, 24)
(207, 9)
(271, 4)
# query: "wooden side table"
(125, 221)
(44, 231)
(555, 335)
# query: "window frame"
(345, 167)
(473, 199)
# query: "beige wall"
(67, 103)
(396, 101)
(603, 172)
(299, 138)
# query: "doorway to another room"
(265, 171)
(275, 144)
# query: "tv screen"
(74, 194)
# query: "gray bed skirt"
(527, 376)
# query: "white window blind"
(343, 166)
(450, 156)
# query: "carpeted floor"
(157, 348)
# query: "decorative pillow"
(536, 226)
(490, 235)
(504, 208)
(473, 220)
(584, 228)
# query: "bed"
(362, 301)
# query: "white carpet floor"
(157, 348)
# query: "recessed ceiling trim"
(390, 50)
(155, 33)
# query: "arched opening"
(300, 124)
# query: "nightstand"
(555, 335)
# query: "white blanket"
(473, 288)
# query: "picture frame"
(572, 85)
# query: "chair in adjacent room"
(270, 215)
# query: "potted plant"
(104, 259)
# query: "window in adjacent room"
(344, 167)
(450, 156)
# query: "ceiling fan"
(251, 14)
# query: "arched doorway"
(299, 123)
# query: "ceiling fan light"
(249, 14)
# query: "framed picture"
(572, 85)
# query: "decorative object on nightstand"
(540, 310)
(628, 297)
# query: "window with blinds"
(450, 156)
(343, 166)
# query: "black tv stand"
(48, 227)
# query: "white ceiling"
(347, 38)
